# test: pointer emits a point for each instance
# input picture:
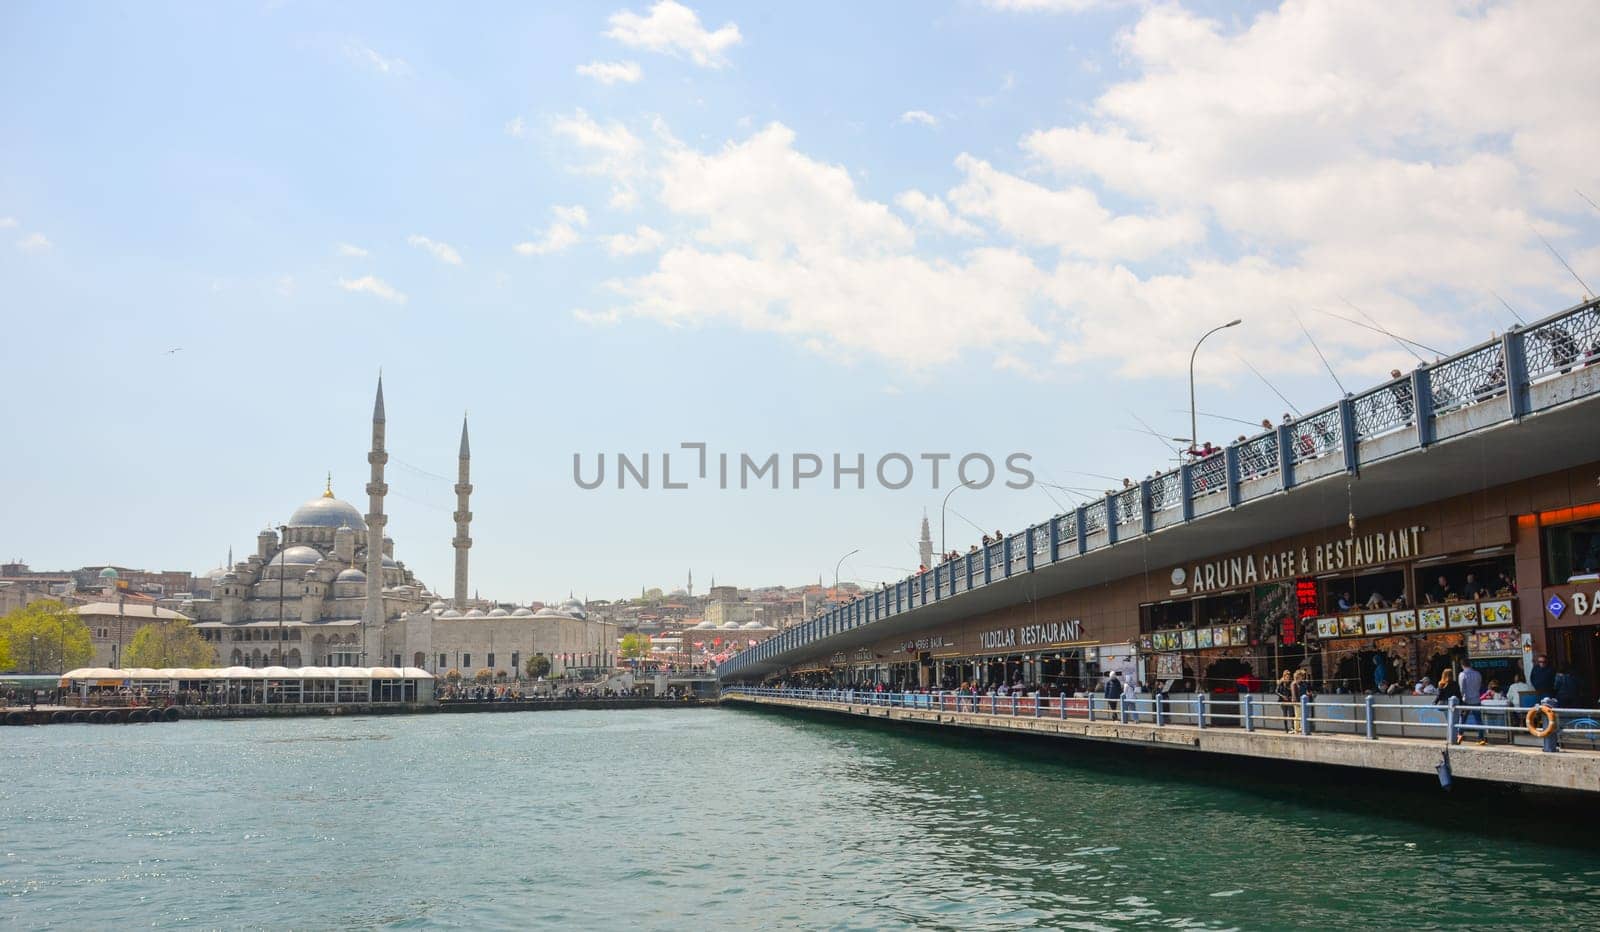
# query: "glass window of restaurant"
(1572, 552)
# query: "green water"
(689, 819)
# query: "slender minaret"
(691, 582)
(463, 517)
(372, 616)
(925, 545)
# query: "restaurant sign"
(1330, 557)
(921, 644)
(1050, 632)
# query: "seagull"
(171, 351)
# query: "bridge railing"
(1372, 716)
(1494, 379)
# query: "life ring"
(1549, 721)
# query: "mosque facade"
(325, 589)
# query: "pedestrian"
(1286, 698)
(1448, 688)
(1569, 688)
(1113, 688)
(1470, 688)
(1543, 677)
(1302, 693)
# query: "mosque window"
(516, 661)
(466, 660)
(490, 664)
(442, 662)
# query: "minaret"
(691, 583)
(372, 616)
(463, 517)
(925, 545)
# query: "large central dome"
(328, 511)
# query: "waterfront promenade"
(119, 715)
(1070, 719)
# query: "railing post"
(1027, 541)
(1036, 701)
(1061, 706)
(1230, 464)
(1347, 435)
(1122, 709)
(1285, 456)
(1422, 401)
(1372, 725)
(1186, 491)
(1244, 710)
(1112, 511)
(1161, 714)
(1147, 511)
(1305, 715)
(1450, 721)
(1013, 705)
(1200, 710)
(994, 704)
(1091, 707)
(1083, 537)
(1055, 539)
(1513, 350)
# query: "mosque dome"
(499, 613)
(390, 562)
(474, 613)
(704, 625)
(327, 511)
(523, 612)
(753, 625)
(217, 573)
(450, 613)
(351, 575)
(108, 573)
(299, 554)
(437, 607)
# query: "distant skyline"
(831, 228)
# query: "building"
(112, 625)
(325, 589)
(1449, 514)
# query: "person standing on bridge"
(1471, 687)
(1286, 698)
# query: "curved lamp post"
(1194, 430)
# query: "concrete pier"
(1506, 764)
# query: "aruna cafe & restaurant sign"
(1352, 552)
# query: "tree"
(538, 665)
(635, 646)
(5, 654)
(483, 675)
(169, 644)
(46, 637)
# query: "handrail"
(1499, 372)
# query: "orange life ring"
(1549, 721)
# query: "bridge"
(1517, 406)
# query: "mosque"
(325, 589)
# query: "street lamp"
(839, 564)
(1194, 430)
(942, 549)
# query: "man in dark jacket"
(1543, 677)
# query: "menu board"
(1169, 666)
(1350, 626)
(1376, 622)
(1189, 642)
(1463, 614)
(1221, 637)
(1147, 642)
(1499, 642)
(1403, 622)
(1204, 635)
(1327, 628)
(1430, 619)
(1494, 613)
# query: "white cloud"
(444, 252)
(612, 72)
(643, 239)
(34, 242)
(560, 234)
(515, 127)
(371, 58)
(377, 287)
(609, 149)
(353, 252)
(675, 29)
(932, 213)
(1050, 6)
(919, 116)
(7, 223)
(596, 318)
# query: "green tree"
(5, 654)
(538, 665)
(46, 637)
(170, 644)
(635, 646)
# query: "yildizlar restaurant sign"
(1332, 556)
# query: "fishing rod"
(1586, 197)
(1508, 306)
(1587, 293)
(1404, 343)
(1268, 384)
(1220, 417)
(1152, 432)
(1324, 359)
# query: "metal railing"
(1406, 412)
(1371, 716)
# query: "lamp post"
(1194, 430)
(942, 549)
(839, 564)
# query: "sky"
(834, 228)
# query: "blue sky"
(919, 227)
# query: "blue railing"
(1502, 378)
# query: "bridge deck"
(1514, 764)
